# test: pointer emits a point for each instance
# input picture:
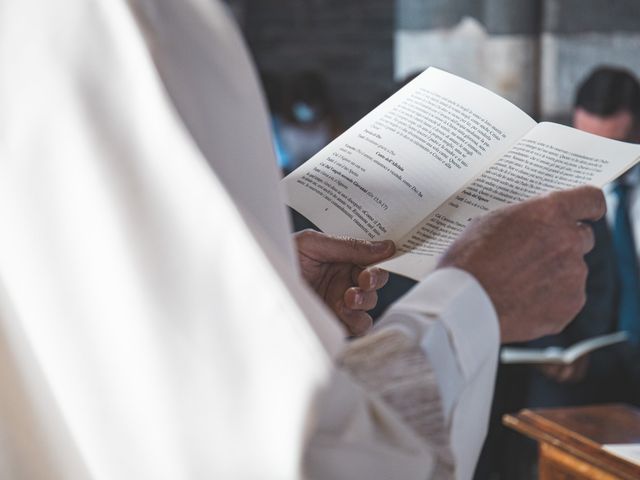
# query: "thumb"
(332, 249)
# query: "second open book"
(438, 153)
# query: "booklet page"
(404, 159)
(550, 157)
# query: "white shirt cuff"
(451, 316)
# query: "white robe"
(152, 322)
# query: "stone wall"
(350, 42)
(580, 35)
(534, 52)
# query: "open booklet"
(558, 355)
(435, 155)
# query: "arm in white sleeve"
(425, 381)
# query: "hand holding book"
(437, 154)
(442, 152)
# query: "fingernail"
(379, 247)
(372, 280)
(359, 299)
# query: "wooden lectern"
(571, 440)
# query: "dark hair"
(274, 91)
(310, 87)
(607, 91)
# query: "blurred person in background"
(274, 89)
(607, 103)
(309, 120)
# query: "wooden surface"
(571, 440)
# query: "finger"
(565, 374)
(356, 321)
(582, 203)
(327, 248)
(581, 368)
(372, 279)
(357, 299)
(587, 238)
(355, 274)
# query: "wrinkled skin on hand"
(530, 260)
(336, 268)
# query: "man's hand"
(529, 259)
(335, 268)
(572, 373)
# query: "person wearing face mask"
(309, 121)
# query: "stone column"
(492, 42)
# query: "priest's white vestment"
(153, 324)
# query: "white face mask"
(304, 113)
